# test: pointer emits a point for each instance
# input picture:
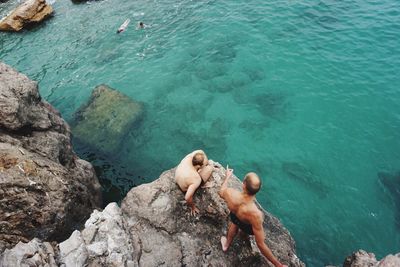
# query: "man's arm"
(189, 197)
(224, 186)
(259, 235)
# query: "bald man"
(191, 172)
(244, 214)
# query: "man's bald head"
(252, 183)
(198, 160)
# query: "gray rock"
(154, 228)
(106, 119)
(34, 253)
(390, 261)
(45, 189)
(362, 258)
(73, 251)
(158, 219)
(103, 242)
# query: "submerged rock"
(106, 119)
(304, 175)
(31, 11)
(362, 258)
(45, 189)
(391, 183)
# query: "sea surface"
(305, 93)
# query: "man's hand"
(224, 185)
(193, 210)
(229, 172)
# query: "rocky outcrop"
(153, 228)
(31, 11)
(104, 242)
(362, 258)
(34, 253)
(45, 189)
(106, 119)
(160, 223)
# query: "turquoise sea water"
(305, 93)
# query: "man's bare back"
(186, 174)
(190, 173)
(245, 209)
(245, 215)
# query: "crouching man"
(191, 172)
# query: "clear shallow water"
(305, 93)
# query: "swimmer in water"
(141, 25)
(123, 26)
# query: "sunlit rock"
(31, 11)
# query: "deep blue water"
(305, 93)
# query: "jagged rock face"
(104, 242)
(159, 222)
(106, 119)
(362, 258)
(31, 11)
(153, 228)
(34, 253)
(45, 190)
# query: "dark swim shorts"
(245, 227)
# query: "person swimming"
(141, 25)
(123, 26)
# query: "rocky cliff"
(45, 189)
(153, 228)
(362, 258)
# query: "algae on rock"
(106, 119)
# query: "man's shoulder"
(232, 192)
(256, 213)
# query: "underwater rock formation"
(304, 175)
(106, 119)
(45, 189)
(391, 183)
(362, 258)
(31, 11)
(153, 228)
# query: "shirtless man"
(244, 214)
(190, 173)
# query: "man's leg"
(205, 173)
(226, 241)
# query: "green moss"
(107, 118)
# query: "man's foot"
(223, 243)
